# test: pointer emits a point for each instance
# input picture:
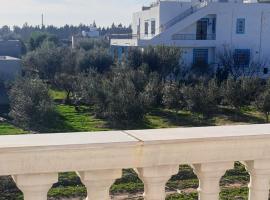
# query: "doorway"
(202, 29)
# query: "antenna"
(42, 21)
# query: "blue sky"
(61, 12)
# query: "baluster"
(98, 183)
(35, 186)
(209, 175)
(259, 186)
(155, 179)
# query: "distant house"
(92, 33)
(10, 67)
(12, 48)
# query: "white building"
(10, 68)
(93, 32)
(202, 28)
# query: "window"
(214, 26)
(146, 25)
(200, 57)
(265, 70)
(153, 27)
(240, 26)
(242, 57)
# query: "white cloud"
(61, 12)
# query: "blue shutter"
(240, 26)
(200, 57)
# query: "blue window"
(242, 57)
(146, 26)
(200, 57)
(240, 26)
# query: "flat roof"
(8, 58)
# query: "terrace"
(34, 161)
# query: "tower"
(42, 21)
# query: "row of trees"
(65, 32)
(124, 95)
(124, 92)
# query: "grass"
(72, 120)
(8, 129)
(58, 95)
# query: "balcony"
(124, 39)
(193, 37)
(123, 36)
(34, 161)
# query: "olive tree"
(31, 105)
(202, 97)
(172, 96)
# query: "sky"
(61, 12)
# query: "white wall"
(9, 69)
(170, 9)
(142, 17)
(187, 55)
(257, 29)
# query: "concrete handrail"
(34, 161)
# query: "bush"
(233, 92)
(241, 91)
(202, 97)
(161, 59)
(121, 98)
(263, 103)
(31, 105)
(98, 59)
(252, 87)
(153, 90)
(172, 96)
(134, 58)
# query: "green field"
(70, 119)
(83, 120)
(8, 129)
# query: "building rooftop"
(8, 58)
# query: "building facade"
(12, 48)
(10, 68)
(204, 30)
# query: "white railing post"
(259, 186)
(98, 182)
(35, 186)
(155, 179)
(209, 175)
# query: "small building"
(10, 68)
(11, 48)
(92, 33)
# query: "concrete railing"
(34, 161)
(194, 37)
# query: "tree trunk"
(68, 97)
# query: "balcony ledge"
(98, 158)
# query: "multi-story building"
(203, 29)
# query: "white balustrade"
(34, 161)
(155, 179)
